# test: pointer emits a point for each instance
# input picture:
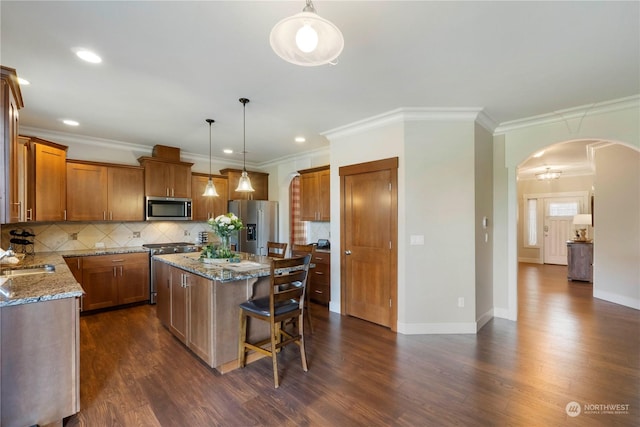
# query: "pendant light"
(307, 39)
(244, 185)
(210, 189)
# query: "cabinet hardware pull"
(319, 272)
(65, 214)
(117, 260)
(78, 262)
(115, 274)
(110, 216)
(104, 216)
(317, 291)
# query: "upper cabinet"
(165, 178)
(97, 191)
(315, 194)
(259, 182)
(46, 181)
(13, 203)
(205, 207)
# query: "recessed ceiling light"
(538, 154)
(300, 139)
(87, 55)
(69, 122)
(227, 151)
(23, 82)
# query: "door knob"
(347, 252)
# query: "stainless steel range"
(165, 248)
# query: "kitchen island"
(198, 303)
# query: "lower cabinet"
(190, 308)
(580, 261)
(320, 286)
(40, 362)
(112, 280)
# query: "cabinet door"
(178, 320)
(324, 195)
(14, 168)
(75, 265)
(50, 183)
(86, 192)
(202, 207)
(156, 179)
(125, 194)
(100, 284)
(309, 197)
(181, 180)
(133, 283)
(200, 309)
(162, 279)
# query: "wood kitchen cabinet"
(40, 362)
(315, 193)
(320, 286)
(205, 207)
(165, 178)
(99, 191)
(259, 182)
(162, 279)
(46, 180)
(580, 261)
(112, 280)
(13, 205)
(191, 309)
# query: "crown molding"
(570, 113)
(401, 115)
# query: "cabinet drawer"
(106, 260)
(321, 258)
(320, 293)
(320, 274)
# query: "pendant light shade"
(307, 39)
(244, 184)
(210, 189)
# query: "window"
(531, 223)
(563, 209)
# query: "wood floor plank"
(566, 346)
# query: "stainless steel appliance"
(167, 208)
(160, 249)
(260, 219)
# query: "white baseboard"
(484, 319)
(504, 313)
(531, 260)
(617, 299)
(437, 328)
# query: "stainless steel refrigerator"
(260, 220)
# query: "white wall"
(616, 270)
(615, 121)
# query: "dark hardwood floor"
(566, 346)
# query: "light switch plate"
(415, 239)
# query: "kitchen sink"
(24, 271)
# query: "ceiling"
(167, 66)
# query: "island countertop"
(48, 286)
(250, 266)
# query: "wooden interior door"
(369, 241)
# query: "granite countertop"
(250, 266)
(49, 286)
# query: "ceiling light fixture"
(300, 139)
(210, 189)
(87, 55)
(69, 122)
(548, 175)
(244, 184)
(23, 82)
(307, 39)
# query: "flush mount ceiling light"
(548, 175)
(70, 122)
(244, 184)
(210, 189)
(307, 39)
(88, 56)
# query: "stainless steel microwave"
(167, 208)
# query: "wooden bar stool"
(284, 303)
(302, 250)
(276, 250)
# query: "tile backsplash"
(68, 236)
(318, 230)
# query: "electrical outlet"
(136, 234)
(461, 302)
(187, 233)
(73, 236)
